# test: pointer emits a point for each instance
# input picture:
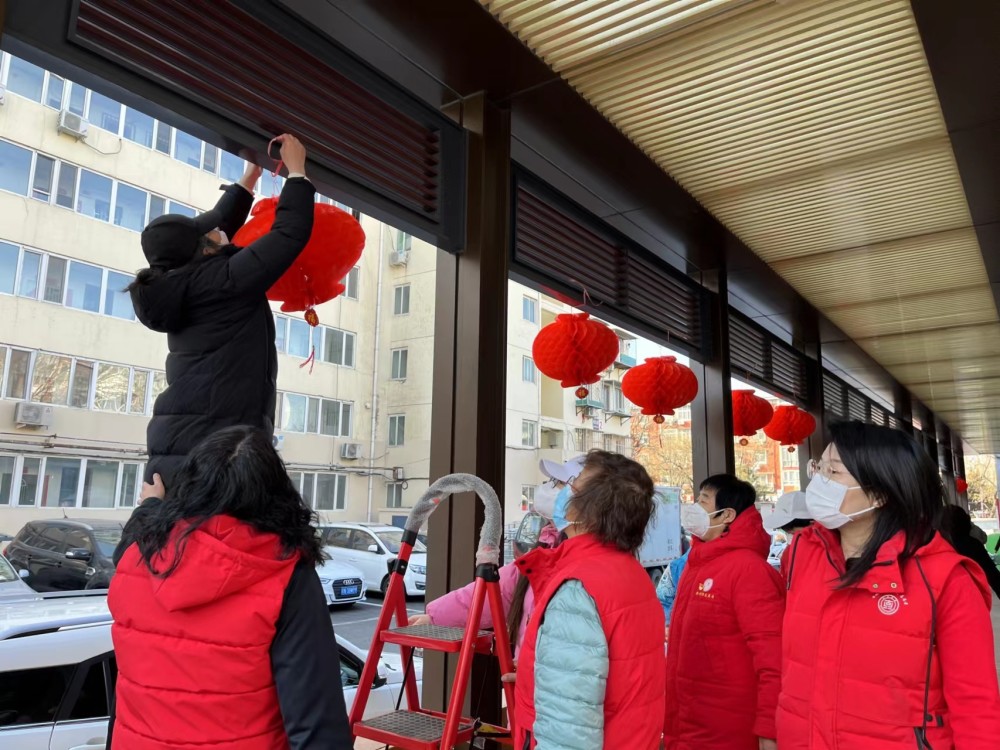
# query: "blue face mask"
(559, 519)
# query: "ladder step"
(436, 638)
(411, 730)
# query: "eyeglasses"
(822, 469)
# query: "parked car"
(62, 554)
(12, 585)
(343, 584)
(373, 548)
(58, 670)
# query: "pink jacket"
(452, 609)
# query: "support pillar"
(712, 410)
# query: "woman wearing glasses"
(888, 642)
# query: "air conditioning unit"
(32, 415)
(398, 474)
(72, 124)
(399, 257)
(350, 451)
(278, 441)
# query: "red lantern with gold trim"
(660, 385)
(790, 426)
(961, 485)
(750, 413)
(575, 350)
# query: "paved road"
(357, 624)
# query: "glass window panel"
(31, 264)
(351, 283)
(6, 478)
(312, 416)
(140, 385)
(18, 365)
(159, 384)
(83, 374)
(83, 292)
(210, 159)
(232, 167)
(280, 331)
(529, 431)
(9, 255)
(66, 187)
(15, 168)
(180, 208)
(397, 430)
(293, 413)
(308, 488)
(111, 391)
(55, 280)
(163, 136)
(130, 207)
(139, 127)
(95, 195)
(105, 112)
(99, 484)
(333, 346)
(528, 309)
(129, 486)
(77, 99)
(50, 379)
(399, 363)
(157, 206)
(117, 301)
(187, 149)
(54, 96)
(25, 79)
(298, 337)
(92, 701)
(59, 485)
(329, 492)
(27, 491)
(527, 369)
(41, 183)
(331, 424)
(348, 350)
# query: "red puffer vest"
(724, 658)
(633, 624)
(193, 648)
(854, 667)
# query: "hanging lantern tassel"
(659, 386)
(750, 413)
(790, 426)
(313, 320)
(575, 350)
(961, 485)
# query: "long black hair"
(897, 473)
(234, 472)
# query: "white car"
(57, 671)
(343, 584)
(373, 548)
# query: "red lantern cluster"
(660, 385)
(317, 275)
(750, 413)
(961, 485)
(790, 426)
(575, 350)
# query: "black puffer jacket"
(222, 368)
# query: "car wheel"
(384, 586)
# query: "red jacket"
(854, 676)
(632, 620)
(193, 648)
(723, 664)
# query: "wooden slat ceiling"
(812, 129)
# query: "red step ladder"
(417, 728)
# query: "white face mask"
(697, 521)
(545, 499)
(824, 498)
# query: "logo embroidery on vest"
(704, 587)
(888, 604)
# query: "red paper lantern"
(790, 426)
(961, 485)
(660, 385)
(750, 413)
(575, 350)
(316, 276)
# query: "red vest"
(633, 624)
(854, 666)
(193, 648)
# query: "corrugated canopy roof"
(812, 129)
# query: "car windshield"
(7, 573)
(107, 540)
(394, 539)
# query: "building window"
(529, 309)
(527, 497)
(15, 168)
(139, 128)
(338, 347)
(529, 373)
(397, 430)
(321, 491)
(94, 195)
(25, 79)
(403, 242)
(399, 361)
(401, 300)
(68, 482)
(83, 291)
(614, 399)
(105, 113)
(9, 258)
(336, 418)
(529, 433)
(231, 167)
(394, 495)
(299, 338)
(351, 282)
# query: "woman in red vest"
(221, 630)
(590, 672)
(888, 642)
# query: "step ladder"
(417, 728)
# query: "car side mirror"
(79, 553)
(23, 574)
(374, 548)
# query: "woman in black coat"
(209, 297)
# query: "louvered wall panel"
(760, 357)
